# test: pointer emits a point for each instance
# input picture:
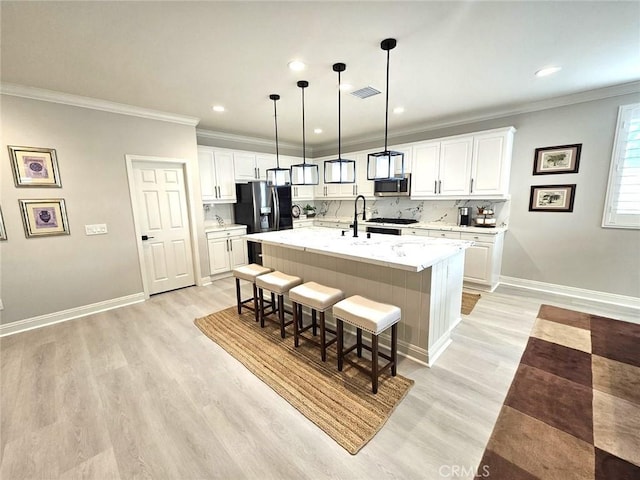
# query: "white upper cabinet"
(425, 169)
(252, 166)
(216, 175)
(475, 165)
(491, 164)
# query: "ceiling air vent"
(365, 92)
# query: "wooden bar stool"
(375, 318)
(318, 298)
(277, 283)
(249, 273)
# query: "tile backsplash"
(430, 211)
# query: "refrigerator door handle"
(276, 208)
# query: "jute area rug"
(469, 301)
(339, 403)
(573, 409)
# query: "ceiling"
(453, 59)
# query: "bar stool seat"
(319, 298)
(277, 283)
(249, 273)
(373, 317)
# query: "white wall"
(52, 274)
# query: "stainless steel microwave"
(393, 188)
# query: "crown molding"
(463, 119)
(93, 104)
(242, 139)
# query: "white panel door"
(163, 220)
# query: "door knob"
(146, 237)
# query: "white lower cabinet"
(483, 261)
(227, 250)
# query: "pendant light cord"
(304, 146)
(386, 107)
(339, 126)
(275, 119)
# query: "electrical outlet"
(96, 229)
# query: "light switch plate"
(96, 229)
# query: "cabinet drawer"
(478, 237)
(415, 231)
(441, 234)
(232, 232)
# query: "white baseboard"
(581, 293)
(64, 315)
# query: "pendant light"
(339, 170)
(277, 177)
(386, 164)
(304, 173)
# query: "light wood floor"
(139, 392)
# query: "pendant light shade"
(339, 170)
(387, 164)
(277, 177)
(304, 173)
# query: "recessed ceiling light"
(218, 108)
(317, 130)
(398, 110)
(346, 86)
(543, 72)
(296, 65)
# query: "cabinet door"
(424, 177)
(207, 175)
(363, 186)
(490, 167)
(263, 162)
(218, 255)
(245, 166)
(238, 246)
(302, 192)
(478, 263)
(225, 177)
(455, 166)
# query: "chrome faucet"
(355, 213)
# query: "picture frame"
(552, 198)
(34, 167)
(3, 231)
(558, 159)
(44, 217)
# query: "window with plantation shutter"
(622, 207)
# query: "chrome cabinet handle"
(231, 245)
(439, 186)
(227, 244)
(435, 186)
(471, 187)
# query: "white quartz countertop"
(448, 227)
(403, 252)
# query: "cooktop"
(399, 221)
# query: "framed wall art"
(44, 217)
(552, 198)
(554, 160)
(34, 167)
(3, 232)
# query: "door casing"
(191, 209)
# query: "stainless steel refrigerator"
(262, 209)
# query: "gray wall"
(50, 274)
(47, 275)
(570, 249)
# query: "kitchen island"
(421, 275)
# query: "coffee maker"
(464, 216)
